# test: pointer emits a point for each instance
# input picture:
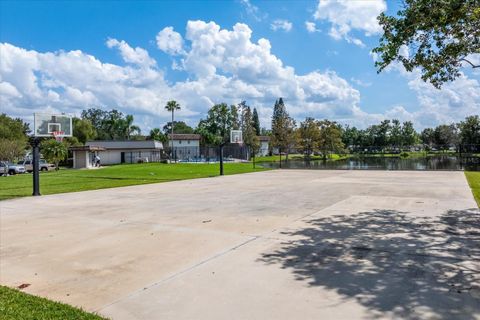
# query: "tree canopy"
(180, 127)
(13, 137)
(54, 151)
(215, 129)
(440, 37)
(282, 127)
(110, 125)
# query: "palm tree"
(129, 127)
(172, 105)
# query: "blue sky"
(67, 56)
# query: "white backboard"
(236, 136)
(45, 124)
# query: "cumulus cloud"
(281, 24)
(311, 27)
(170, 41)
(455, 101)
(131, 55)
(346, 16)
(223, 65)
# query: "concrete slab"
(278, 244)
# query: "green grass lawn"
(17, 305)
(473, 178)
(70, 180)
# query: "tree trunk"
(171, 139)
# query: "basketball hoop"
(58, 135)
(236, 136)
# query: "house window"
(188, 142)
(179, 141)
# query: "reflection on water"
(385, 163)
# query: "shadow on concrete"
(394, 264)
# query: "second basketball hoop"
(236, 136)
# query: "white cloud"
(360, 82)
(170, 41)
(223, 65)
(452, 103)
(281, 24)
(131, 55)
(311, 27)
(252, 10)
(346, 16)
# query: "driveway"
(283, 244)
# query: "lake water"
(384, 163)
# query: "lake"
(438, 162)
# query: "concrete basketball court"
(283, 244)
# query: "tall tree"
(256, 122)
(409, 135)
(96, 117)
(428, 137)
(330, 139)
(156, 134)
(13, 137)
(395, 138)
(128, 128)
(308, 135)
(171, 106)
(283, 135)
(54, 151)
(382, 134)
(215, 129)
(83, 130)
(440, 37)
(445, 136)
(350, 137)
(180, 127)
(470, 133)
(250, 138)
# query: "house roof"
(86, 148)
(185, 136)
(264, 138)
(125, 144)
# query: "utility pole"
(221, 159)
(36, 167)
(171, 151)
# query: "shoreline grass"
(17, 305)
(473, 178)
(70, 180)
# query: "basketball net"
(58, 135)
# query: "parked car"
(11, 168)
(43, 165)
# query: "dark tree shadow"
(392, 263)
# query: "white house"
(115, 152)
(264, 145)
(185, 146)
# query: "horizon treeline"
(287, 135)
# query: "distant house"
(264, 145)
(185, 145)
(115, 152)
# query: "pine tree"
(256, 121)
(282, 128)
(250, 137)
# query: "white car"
(42, 164)
(9, 168)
